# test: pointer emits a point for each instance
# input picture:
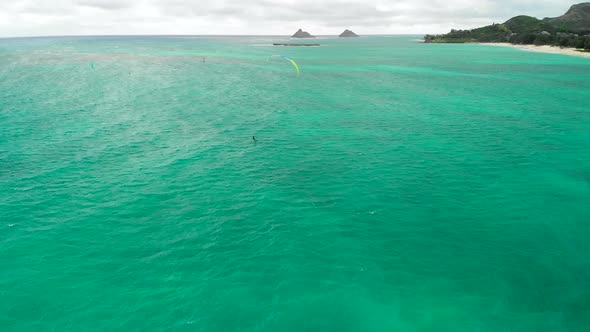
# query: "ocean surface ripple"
(395, 186)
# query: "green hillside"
(570, 30)
(577, 19)
(528, 24)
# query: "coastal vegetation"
(569, 30)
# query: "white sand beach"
(543, 49)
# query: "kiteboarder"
(254, 139)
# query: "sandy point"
(543, 49)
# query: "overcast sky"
(121, 17)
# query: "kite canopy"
(292, 62)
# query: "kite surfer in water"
(254, 139)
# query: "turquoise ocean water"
(395, 186)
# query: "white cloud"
(98, 17)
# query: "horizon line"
(198, 35)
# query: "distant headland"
(570, 30)
(348, 34)
(302, 34)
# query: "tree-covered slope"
(577, 19)
(568, 30)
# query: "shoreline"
(542, 49)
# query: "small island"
(348, 34)
(294, 44)
(302, 34)
(571, 30)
